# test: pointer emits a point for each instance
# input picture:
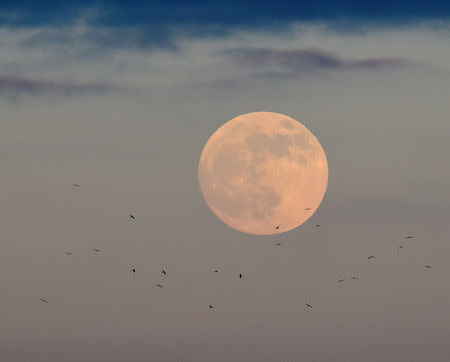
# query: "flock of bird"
(370, 257)
(240, 275)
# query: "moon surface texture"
(263, 173)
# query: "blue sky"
(223, 15)
(155, 23)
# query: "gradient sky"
(121, 97)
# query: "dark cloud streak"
(14, 85)
(288, 63)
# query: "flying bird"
(211, 306)
(97, 250)
(401, 246)
(317, 225)
(278, 244)
(277, 227)
(164, 272)
(308, 209)
(371, 257)
(68, 252)
(340, 280)
(308, 305)
(428, 266)
(132, 217)
(44, 301)
(133, 270)
(159, 286)
(216, 271)
(76, 185)
(409, 237)
(355, 278)
(240, 275)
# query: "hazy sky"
(122, 98)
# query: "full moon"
(263, 173)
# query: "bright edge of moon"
(263, 173)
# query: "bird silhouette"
(68, 252)
(44, 300)
(158, 285)
(132, 217)
(133, 270)
(277, 227)
(371, 257)
(317, 225)
(401, 246)
(216, 271)
(340, 280)
(164, 272)
(278, 244)
(211, 306)
(409, 237)
(308, 305)
(428, 266)
(355, 278)
(308, 209)
(76, 185)
(97, 250)
(241, 275)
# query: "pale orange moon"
(261, 171)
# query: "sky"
(121, 97)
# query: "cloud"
(312, 61)
(80, 58)
(104, 37)
(14, 85)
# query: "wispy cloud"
(313, 61)
(14, 86)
